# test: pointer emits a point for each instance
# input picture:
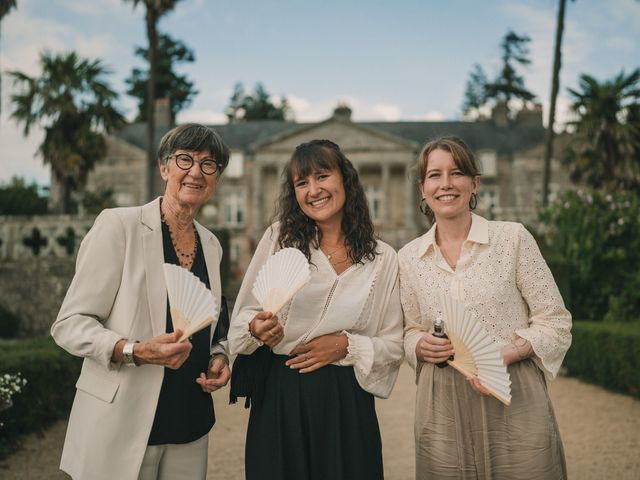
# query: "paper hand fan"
(286, 272)
(475, 351)
(193, 306)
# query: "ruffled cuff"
(359, 353)
(242, 342)
(548, 363)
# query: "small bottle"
(438, 331)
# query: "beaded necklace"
(185, 258)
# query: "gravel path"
(600, 431)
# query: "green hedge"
(607, 354)
(9, 323)
(51, 374)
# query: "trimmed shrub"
(9, 323)
(607, 354)
(51, 374)
(598, 234)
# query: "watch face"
(127, 353)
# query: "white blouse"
(501, 276)
(363, 302)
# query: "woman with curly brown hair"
(337, 344)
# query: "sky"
(388, 60)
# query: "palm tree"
(74, 105)
(5, 8)
(555, 86)
(604, 149)
(154, 10)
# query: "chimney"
(530, 116)
(500, 114)
(163, 114)
(342, 112)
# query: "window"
(488, 202)
(234, 253)
(123, 199)
(234, 207)
(235, 169)
(374, 200)
(488, 163)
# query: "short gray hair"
(196, 138)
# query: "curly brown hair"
(299, 231)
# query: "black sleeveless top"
(184, 412)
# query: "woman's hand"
(162, 350)
(516, 351)
(433, 349)
(474, 382)
(318, 352)
(217, 375)
(266, 328)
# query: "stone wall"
(37, 262)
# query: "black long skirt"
(313, 426)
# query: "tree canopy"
(508, 84)
(74, 104)
(605, 149)
(247, 107)
(178, 88)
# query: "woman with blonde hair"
(496, 271)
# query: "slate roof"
(479, 135)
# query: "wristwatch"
(127, 354)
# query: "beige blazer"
(118, 291)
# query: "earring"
(473, 201)
(424, 208)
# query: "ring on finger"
(271, 333)
(305, 357)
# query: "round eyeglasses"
(184, 161)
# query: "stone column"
(409, 200)
(258, 197)
(386, 197)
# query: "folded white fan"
(284, 273)
(193, 306)
(475, 351)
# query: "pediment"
(350, 136)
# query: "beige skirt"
(463, 435)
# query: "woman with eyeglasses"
(312, 371)
(143, 406)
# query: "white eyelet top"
(501, 276)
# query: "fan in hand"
(475, 351)
(286, 272)
(193, 306)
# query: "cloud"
(93, 7)
(620, 43)
(627, 11)
(433, 116)
(18, 154)
(209, 117)
(21, 49)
